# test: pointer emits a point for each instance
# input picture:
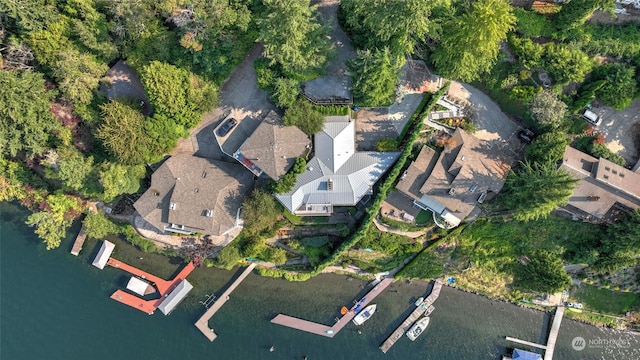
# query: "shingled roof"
(450, 183)
(274, 147)
(337, 175)
(189, 194)
(602, 184)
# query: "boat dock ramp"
(203, 323)
(425, 306)
(77, 244)
(331, 331)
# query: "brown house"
(190, 195)
(273, 147)
(451, 183)
(604, 188)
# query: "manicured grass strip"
(606, 301)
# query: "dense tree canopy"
(619, 87)
(97, 226)
(547, 148)
(566, 63)
(397, 25)
(25, 120)
(304, 116)
(260, 212)
(52, 223)
(122, 132)
(543, 273)
(575, 12)
(375, 76)
(537, 189)
(621, 245)
(117, 179)
(471, 42)
(178, 95)
(293, 37)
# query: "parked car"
(226, 127)
(591, 117)
(526, 136)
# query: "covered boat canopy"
(103, 255)
(175, 297)
(140, 287)
(519, 354)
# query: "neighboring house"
(604, 188)
(337, 175)
(273, 147)
(452, 183)
(190, 195)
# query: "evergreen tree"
(375, 76)
(293, 37)
(470, 43)
(547, 148)
(536, 190)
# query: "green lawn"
(424, 218)
(606, 301)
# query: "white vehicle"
(591, 117)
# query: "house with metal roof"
(337, 175)
(189, 194)
(273, 147)
(451, 183)
(605, 189)
(175, 297)
(103, 254)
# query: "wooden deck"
(203, 323)
(164, 286)
(553, 334)
(331, 331)
(415, 315)
(77, 244)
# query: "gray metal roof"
(103, 255)
(175, 297)
(351, 177)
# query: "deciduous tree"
(260, 212)
(78, 75)
(548, 109)
(619, 88)
(302, 115)
(566, 63)
(293, 37)
(52, 223)
(575, 12)
(535, 190)
(117, 179)
(97, 226)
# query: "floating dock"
(415, 315)
(203, 323)
(77, 245)
(331, 331)
(164, 286)
(553, 336)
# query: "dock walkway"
(553, 336)
(417, 312)
(331, 331)
(203, 323)
(77, 244)
(164, 286)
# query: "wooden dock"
(77, 245)
(331, 331)
(203, 323)
(551, 340)
(553, 334)
(164, 286)
(415, 315)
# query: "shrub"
(619, 86)
(532, 24)
(303, 115)
(288, 181)
(285, 92)
(566, 63)
(386, 144)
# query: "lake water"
(54, 305)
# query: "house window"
(209, 213)
(172, 206)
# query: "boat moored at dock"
(418, 328)
(364, 315)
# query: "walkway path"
(389, 229)
(203, 323)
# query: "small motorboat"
(418, 328)
(364, 315)
(419, 301)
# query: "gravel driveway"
(616, 127)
